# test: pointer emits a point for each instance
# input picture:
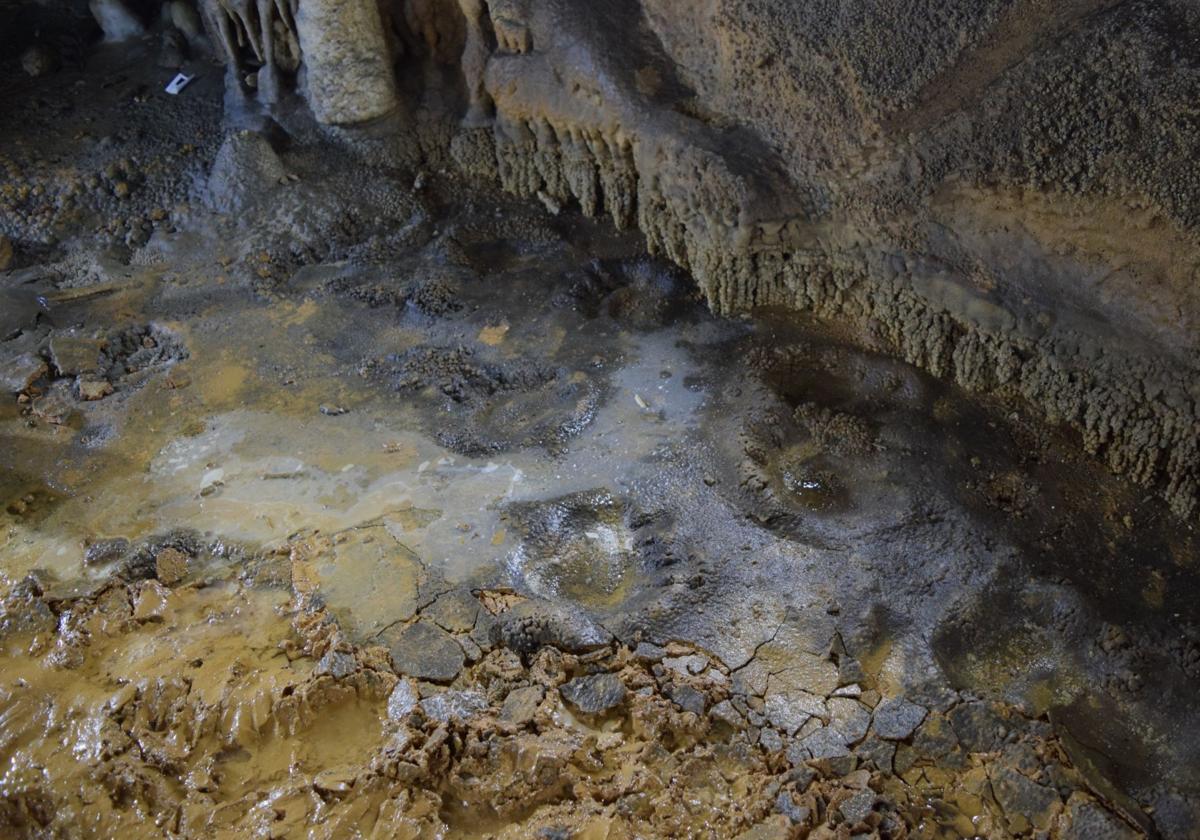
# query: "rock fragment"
(849, 718)
(425, 651)
(338, 664)
(170, 565)
(594, 694)
(896, 718)
(1026, 804)
(784, 804)
(454, 611)
(402, 700)
(686, 698)
(521, 704)
(727, 713)
(73, 355)
(91, 390)
(105, 551)
(649, 653)
(454, 705)
(21, 371)
(856, 809)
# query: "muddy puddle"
(440, 515)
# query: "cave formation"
(627, 418)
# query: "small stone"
(337, 663)
(425, 651)
(151, 602)
(874, 750)
(727, 713)
(454, 705)
(826, 742)
(594, 694)
(1024, 801)
(858, 807)
(170, 565)
(18, 373)
(24, 611)
(687, 665)
(770, 740)
(850, 671)
(686, 698)
(402, 700)
(896, 719)
(979, 729)
(335, 780)
(1089, 821)
(935, 739)
(73, 355)
(788, 712)
(101, 552)
(471, 650)
(93, 389)
(801, 777)
(850, 718)
(455, 611)
(521, 704)
(648, 653)
(836, 766)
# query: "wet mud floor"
(384, 509)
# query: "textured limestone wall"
(999, 193)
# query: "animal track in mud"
(639, 294)
(480, 407)
(590, 547)
(800, 448)
(435, 297)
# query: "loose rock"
(896, 719)
(595, 694)
(425, 651)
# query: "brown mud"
(342, 502)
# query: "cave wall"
(1001, 192)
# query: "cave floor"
(395, 507)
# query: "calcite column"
(474, 59)
(347, 64)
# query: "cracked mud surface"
(420, 512)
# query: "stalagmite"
(117, 21)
